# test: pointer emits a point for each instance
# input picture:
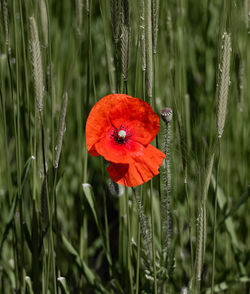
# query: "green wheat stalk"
(246, 13)
(61, 129)
(87, 6)
(202, 226)
(149, 48)
(5, 24)
(79, 7)
(44, 21)
(155, 17)
(142, 33)
(115, 8)
(125, 40)
(222, 92)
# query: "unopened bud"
(166, 114)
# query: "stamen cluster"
(118, 139)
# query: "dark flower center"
(121, 135)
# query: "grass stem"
(153, 237)
(215, 217)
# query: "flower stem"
(138, 257)
(153, 241)
(138, 251)
(129, 244)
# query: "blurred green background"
(58, 236)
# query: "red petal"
(98, 120)
(121, 109)
(134, 174)
(118, 153)
(93, 152)
(117, 171)
(142, 122)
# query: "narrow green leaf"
(91, 201)
(89, 274)
(63, 285)
(88, 191)
(243, 198)
(29, 285)
(228, 222)
(9, 222)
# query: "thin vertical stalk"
(9, 181)
(61, 129)
(18, 146)
(143, 85)
(116, 25)
(138, 258)
(5, 23)
(149, 49)
(107, 232)
(85, 164)
(52, 93)
(222, 97)
(184, 164)
(38, 84)
(155, 17)
(153, 237)
(142, 34)
(93, 72)
(34, 150)
(125, 42)
(89, 53)
(79, 7)
(166, 201)
(144, 225)
(107, 40)
(25, 69)
(15, 253)
(215, 216)
(138, 251)
(120, 252)
(136, 67)
(202, 228)
(129, 250)
(50, 202)
(189, 220)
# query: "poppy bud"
(166, 114)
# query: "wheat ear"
(36, 60)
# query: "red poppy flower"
(120, 128)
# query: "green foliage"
(63, 227)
